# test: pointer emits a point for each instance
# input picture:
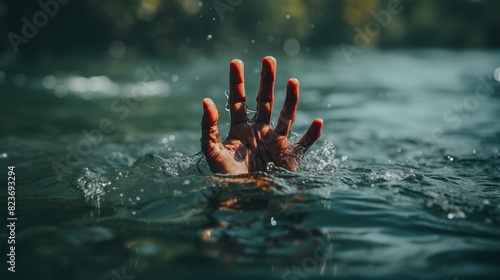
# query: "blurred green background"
(180, 28)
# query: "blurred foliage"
(183, 27)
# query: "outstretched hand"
(252, 143)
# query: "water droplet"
(273, 221)
(450, 216)
(287, 16)
(252, 41)
(200, 4)
(4, 155)
(175, 78)
(250, 111)
(312, 25)
(226, 93)
(197, 78)
(344, 158)
(138, 198)
(121, 195)
(398, 150)
(186, 182)
(270, 167)
(171, 137)
(474, 151)
(133, 212)
(209, 37)
(329, 105)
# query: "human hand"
(252, 143)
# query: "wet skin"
(252, 143)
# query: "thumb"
(312, 135)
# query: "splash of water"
(320, 160)
(249, 111)
(92, 185)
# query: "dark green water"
(404, 182)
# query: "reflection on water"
(404, 181)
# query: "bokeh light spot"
(117, 49)
(496, 74)
(291, 47)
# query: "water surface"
(110, 182)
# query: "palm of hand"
(251, 144)
(252, 147)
